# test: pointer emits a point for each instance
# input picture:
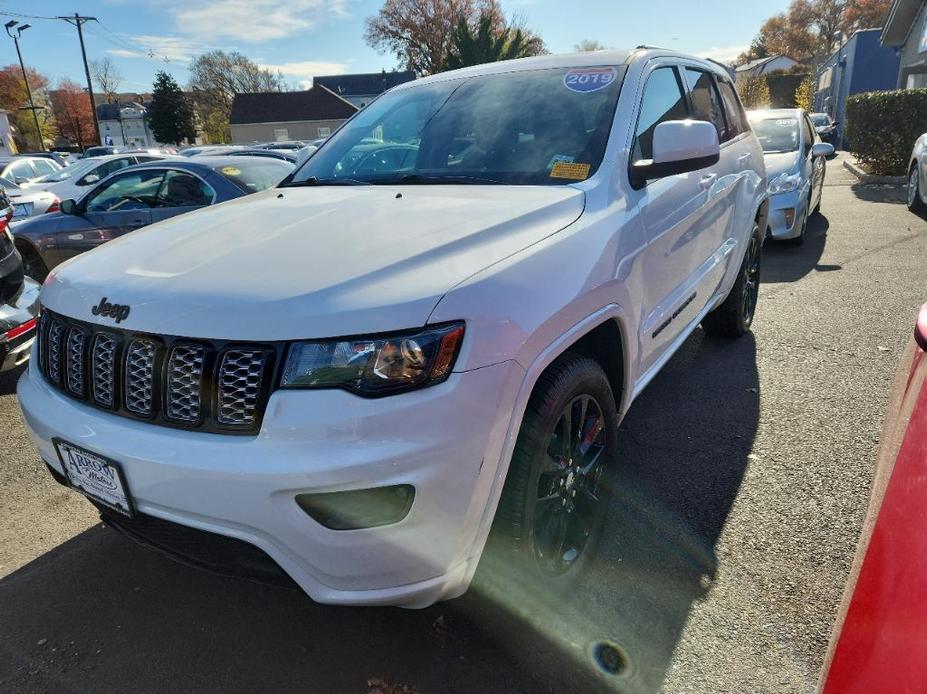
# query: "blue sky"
(302, 38)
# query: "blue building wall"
(861, 64)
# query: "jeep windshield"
(538, 127)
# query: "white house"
(123, 124)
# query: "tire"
(915, 204)
(817, 208)
(33, 265)
(800, 239)
(735, 315)
(551, 514)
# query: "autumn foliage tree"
(420, 33)
(754, 91)
(73, 115)
(13, 98)
(809, 30)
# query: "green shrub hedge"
(881, 128)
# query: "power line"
(26, 16)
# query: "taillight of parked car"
(5, 219)
(55, 205)
(20, 330)
(920, 330)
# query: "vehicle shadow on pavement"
(9, 379)
(683, 452)
(784, 262)
(99, 613)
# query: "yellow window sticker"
(572, 170)
(230, 171)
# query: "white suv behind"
(430, 330)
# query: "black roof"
(110, 110)
(366, 84)
(274, 107)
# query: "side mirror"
(20, 180)
(822, 149)
(88, 179)
(679, 146)
(821, 128)
(68, 206)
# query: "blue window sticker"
(560, 158)
(589, 79)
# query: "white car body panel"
(530, 269)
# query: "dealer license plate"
(95, 476)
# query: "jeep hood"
(293, 263)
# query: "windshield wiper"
(439, 178)
(316, 181)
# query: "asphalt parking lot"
(745, 476)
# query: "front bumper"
(779, 227)
(442, 440)
(21, 308)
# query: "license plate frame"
(97, 484)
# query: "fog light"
(362, 508)
(789, 216)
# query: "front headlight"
(784, 183)
(373, 366)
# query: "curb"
(869, 178)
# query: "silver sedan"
(795, 167)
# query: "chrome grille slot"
(103, 365)
(217, 386)
(184, 380)
(75, 360)
(55, 335)
(139, 376)
(241, 373)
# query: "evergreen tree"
(170, 115)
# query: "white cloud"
(305, 70)
(254, 21)
(172, 49)
(723, 54)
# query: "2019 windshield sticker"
(589, 79)
(576, 171)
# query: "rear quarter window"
(254, 174)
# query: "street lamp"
(18, 35)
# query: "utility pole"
(35, 116)
(78, 21)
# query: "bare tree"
(589, 45)
(216, 77)
(107, 76)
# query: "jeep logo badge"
(118, 311)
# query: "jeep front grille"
(218, 386)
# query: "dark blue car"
(137, 196)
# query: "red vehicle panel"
(880, 639)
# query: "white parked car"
(795, 165)
(21, 170)
(349, 377)
(29, 202)
(917, 176)
(73, 181)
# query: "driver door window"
(131, 191)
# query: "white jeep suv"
(429, 331)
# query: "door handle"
(708, 181)
(743, 158)
(136, 223)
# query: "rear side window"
(255, 174)
(706, 102)
(43, 168)
(736, 118)
(663, 100)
